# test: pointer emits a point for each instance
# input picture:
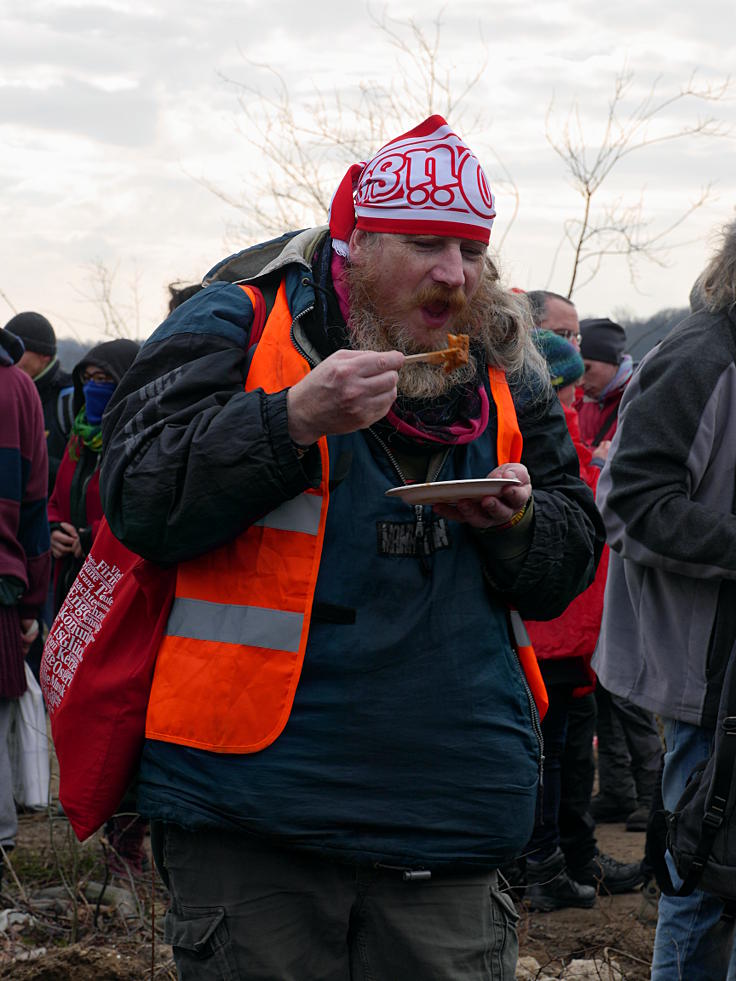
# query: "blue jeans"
(692, 942)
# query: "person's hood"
(11, 348)
(113, 357)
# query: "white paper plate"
(446, 491)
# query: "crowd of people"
(349, 750)
(53, 422)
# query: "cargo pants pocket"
(504, 951)
(201, 942)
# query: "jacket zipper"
(419, 513)
(419, 531)
(302, 313)
(419, 522)
(536, 726)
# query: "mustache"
(454, 299)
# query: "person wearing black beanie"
(629, 747)
(602, 339)
(607, 372)
(54, 385)
(37, 335)
(24, 553)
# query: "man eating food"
(341, 745)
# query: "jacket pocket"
(201, 942)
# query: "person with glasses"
(75, 510)
(75, 513)
(556, 313)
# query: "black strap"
(333, 613)
(717, 799)
(606, 425)
(719, 791)
(65, 410)
(656, 850)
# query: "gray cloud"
(139, 102)
(125, 118)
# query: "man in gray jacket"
(667, 496)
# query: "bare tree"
(609, 227)
(119, 318)
(4, 296)
(307, 145)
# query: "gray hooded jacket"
(667, 497)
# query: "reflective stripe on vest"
(229, 664)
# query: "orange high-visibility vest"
(230, 661)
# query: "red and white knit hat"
(426, 182)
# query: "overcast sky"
(116, 115)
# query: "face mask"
(96, 397)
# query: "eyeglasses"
(96, 375)
(569, 335)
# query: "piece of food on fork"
(453, 356)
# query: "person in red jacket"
(75, 509)
(564, 647)
(629, 746)
(608, 371)
(75, 513)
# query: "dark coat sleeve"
(190, 458)
(667, 491)
(568, 535)
(32, 527)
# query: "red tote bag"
(96, 675)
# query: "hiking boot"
(550, 887)
(608, 811)
(613, 877)
(637, 820)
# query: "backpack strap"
(716, 801)
(65, 409)
(605, 426)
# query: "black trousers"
(577, 827)
(629, 751)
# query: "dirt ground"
(94, 941)
(73, 935)
(617, 928)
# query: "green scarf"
(84, 434)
